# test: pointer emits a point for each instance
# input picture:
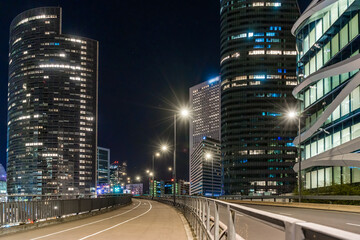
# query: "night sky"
(151, 53)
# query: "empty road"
(142, 219)
(342, 220)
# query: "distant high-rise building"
(136, 189)
(205, 111)
(103, 166)
(165, 187)
(258, 73)
(205, 173)
(3, 190)
(205, 117)
(118, 174)
(328, 73)
(52, 107)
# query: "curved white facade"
(328, 64)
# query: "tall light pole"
(293, 115)
(152, 178)
(208, 156)
(183, 113)
(163, 148)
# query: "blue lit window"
(270, 34)
(259, 40)
(259, 46)
(279, 70)
(290, 145)
(57, 44)
(268, 46)
(258, 34)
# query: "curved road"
(142, 219)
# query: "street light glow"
(164, 148)
(184, 112)
(157, 154)
(208, 156)
(292, 114)
(138, 178)
(151, 174)
(170, 168)
(147, 171)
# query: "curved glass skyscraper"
(52, 107)
(328, 64)
(258, 73)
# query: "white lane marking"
(107, 229)
(353, 224)
(285, 213)
(87, 224)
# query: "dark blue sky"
(151, 52)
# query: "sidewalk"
(319, 206)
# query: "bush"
(338, 189)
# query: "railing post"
(216, 221)
(231, 228)
(207, 216)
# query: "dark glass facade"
(52, 107)
(258, 74)
(103, 166)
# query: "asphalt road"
(250, 228)
(143, 219)
(342, 220)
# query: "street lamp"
(163, 148)
(209, 156)
(138, 178)
(294, 115)
(184, 113)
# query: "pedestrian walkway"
(143, 219)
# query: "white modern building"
(205, 119)
(328, 74)
(205, 171)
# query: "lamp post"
(152, 178)
(293, 115)
(209, 156)
(183, 113)
(163, 148)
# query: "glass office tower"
(103, 166)
(52, 107)
(328, 64)
(258, 73)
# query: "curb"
(325, 207)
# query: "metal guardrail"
(24, 212)
(203, 214)
(294, 197)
